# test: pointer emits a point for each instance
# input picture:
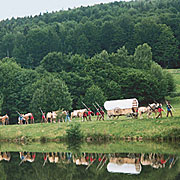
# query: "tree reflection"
(90, 164)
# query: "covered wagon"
(121, 107)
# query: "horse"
(78, 113)
(54, 115)
(49, 117)
(4, 119)
(26, 117)
(60, 115)
(148, 110)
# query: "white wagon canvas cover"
(121, 104)
(121, 107)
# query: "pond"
(62, 162)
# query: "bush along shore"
(95, 131)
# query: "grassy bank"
(114, 129)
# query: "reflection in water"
(27, 157)
(130, 163)
(59, 157)
(112, 163)
(5, 156)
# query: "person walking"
(169, 107)
(160, 109)
(32, 119)
(67, 116)
(84, 116)
(97, 114)
(6, 119)
(20, 119)
(102, 114)
(89, 114)
(43, 117)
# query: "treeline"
(90, 30)
(63, 81)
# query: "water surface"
(90, 162)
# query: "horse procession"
(113, 108)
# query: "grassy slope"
(123, 127)
(147, 128)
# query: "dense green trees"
(50, 94)
(25, 90)
(162, 40)
(90, 30)
(94, 94)
(142, 57)
(56, 62)
(64, 81)
(107, 51)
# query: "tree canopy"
(90, 30)
(103, 52)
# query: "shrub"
(74, 133)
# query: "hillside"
(90, 30)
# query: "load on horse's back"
(54, 115)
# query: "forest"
(96, 53)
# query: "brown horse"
(4, 119)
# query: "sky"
(22, 8)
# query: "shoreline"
(165, 129)
(115, 147)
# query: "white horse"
(26, 117)
(52, 116)
(49, 116)
(148, 110)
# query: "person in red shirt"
(43, 118)
(97, 114)
(32, 118)
(102, 115)
(160, 109)
(89, 114)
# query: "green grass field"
(127, 127)
(123, 127)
